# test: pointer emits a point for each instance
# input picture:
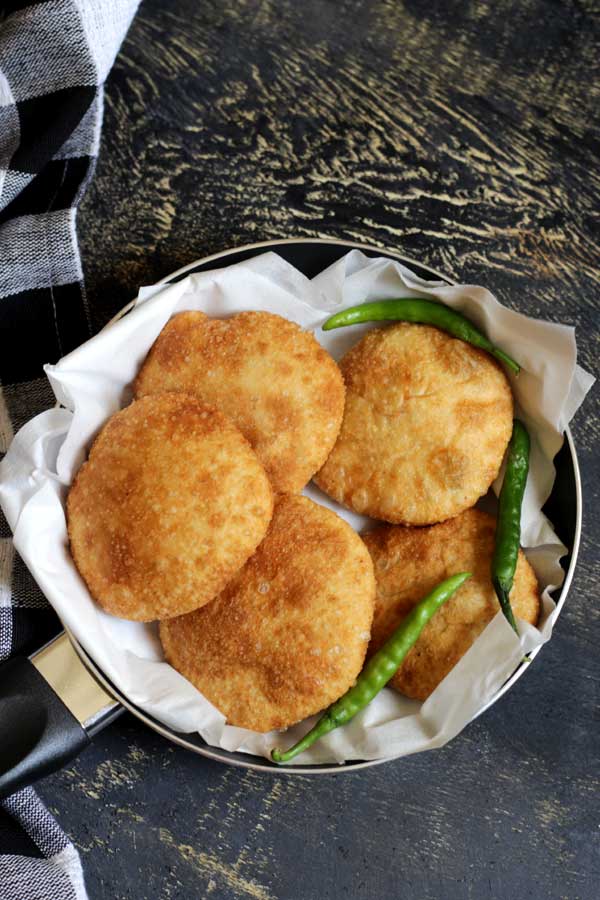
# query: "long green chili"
(382, 666)
(508, 525)
(425, 312)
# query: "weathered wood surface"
(466, 135)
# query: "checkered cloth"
(54, 58)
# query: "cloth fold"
(54, 59)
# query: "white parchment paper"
(94, 381)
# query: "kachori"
(288, 635)
(410, 562)
(169, 506)
(274, 381)
(426, 424)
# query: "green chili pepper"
(426, 312)
(382, 666)
(508, 525)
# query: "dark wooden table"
(461, 133)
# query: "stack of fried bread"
(188, 509)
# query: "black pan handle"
(50, 707)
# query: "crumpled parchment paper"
(94, 381)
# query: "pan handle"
(50, 707)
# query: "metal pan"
(53, 703)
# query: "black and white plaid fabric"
(54, 58)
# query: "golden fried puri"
(426, 424)
(169, 506)
(289, 634)
(410, 562)
(275, 382)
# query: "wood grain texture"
(466, 135)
